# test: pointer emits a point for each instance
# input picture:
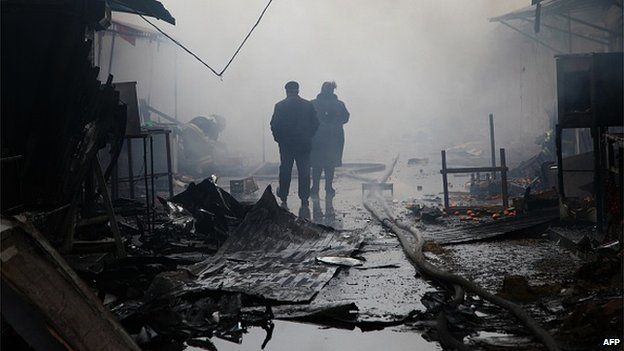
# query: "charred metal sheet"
(273, 255)
(384, 290)
(490, 230)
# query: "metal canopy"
(566, 9)
(554, 7)
(151, 8)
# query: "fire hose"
(412, 242)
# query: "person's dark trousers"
(288, 156)
(329, 180)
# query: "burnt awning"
(151, 8)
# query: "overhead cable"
(219, 73)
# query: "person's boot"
(304, 212)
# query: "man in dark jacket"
(293, 125)
(328, 142)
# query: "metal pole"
(492, 144)
(531, 37)
(175, 84)
(99, 44)
(574, 19)
(153, 190)
(558, 146)
(130, 167)
(569, 34)
(598, 186)
(169, 170)
(445, 180)
(110, 59)
(504, 179)
(147, 203)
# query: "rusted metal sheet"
(37, 273)
(273, 255)
(491, 230)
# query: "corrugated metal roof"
(273, 255)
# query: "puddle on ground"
(289, 336)
(498, 339)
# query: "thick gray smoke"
(421, 73)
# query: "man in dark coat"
(293, 125)
(328, 142)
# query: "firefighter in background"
(199, 146)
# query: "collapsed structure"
(117, 235)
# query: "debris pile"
(168, 293)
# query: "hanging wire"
(220, 73)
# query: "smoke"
(422, 74)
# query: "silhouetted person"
(328, 142)
(293, 125)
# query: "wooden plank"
(40, 275)
(108, 205)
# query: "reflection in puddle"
(289, 336)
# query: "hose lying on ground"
(414, 251)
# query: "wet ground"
(393, 290)
(289, 336)
(539, 260)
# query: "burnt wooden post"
(504, 179)
(445, 180)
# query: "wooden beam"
(73, 314)
(108, 205)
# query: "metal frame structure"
(601, 113)
(148, 178)
(564, 9)
(445, 171)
